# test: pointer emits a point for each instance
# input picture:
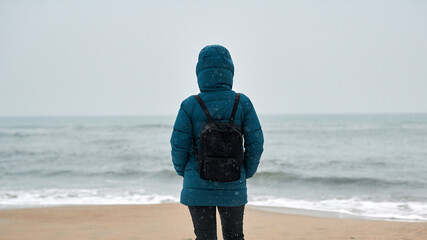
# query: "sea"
(367, 165)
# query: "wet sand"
(172, 221)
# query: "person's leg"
(232, 222)
(204, 222)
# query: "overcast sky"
(135, 57)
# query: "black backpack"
(220, 156)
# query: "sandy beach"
(172, 221)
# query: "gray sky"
(138, 57)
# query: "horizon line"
(172, 115)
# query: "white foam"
(407, 211)
(53, 197)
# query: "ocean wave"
(390, 210)
(127, 172)
(387, 210)
(52, 197)
(344, 128)
(13, 134)
(143, 126)
(122, 127)
(54, 130)
(264, 176)
(19, 133)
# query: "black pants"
(204, 221)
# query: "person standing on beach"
(215, 71)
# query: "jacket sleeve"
(181, 141)
(254, 139)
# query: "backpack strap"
(236, 104)
(205, 109)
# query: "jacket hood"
(215, 69)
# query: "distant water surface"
(367, 165)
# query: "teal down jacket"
(215, 71)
